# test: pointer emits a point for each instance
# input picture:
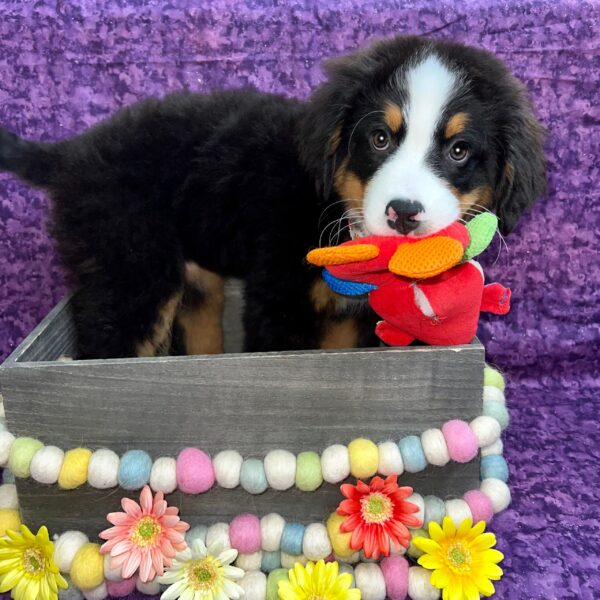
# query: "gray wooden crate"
(252, 403)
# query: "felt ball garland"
(270, 545)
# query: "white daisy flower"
(201, 573)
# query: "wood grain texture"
(249, 402)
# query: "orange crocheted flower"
(146, 536)
(377, 514)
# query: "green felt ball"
(493, 378)
(308, 471)
(413, 551)
(273, 580)
(21, 454)
(482, 229)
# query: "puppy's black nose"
(401, 215)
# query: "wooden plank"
(86, 508)
(249, 402)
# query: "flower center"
(316, 597)
(376, 508)
(202, 575)
(34, 561)
(459, 558)
(146, 532)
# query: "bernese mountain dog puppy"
(155, 206)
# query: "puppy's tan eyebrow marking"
(456, 124)
(393, 116)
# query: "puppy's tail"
(34, 162)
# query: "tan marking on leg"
(393, 116)
(348, 185)
(157, 343)
(202, 322)
(456, 124)
(339, 334)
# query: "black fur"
(236, 182)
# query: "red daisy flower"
(377, 514)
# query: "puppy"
(154, 207)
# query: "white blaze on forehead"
(428, 86)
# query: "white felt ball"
(249, 562)
(493, 393)
(71, 593)
(103, 469)
(197, 532)
(316, 544)
(150, 588)
(254, 585)
(486, 429)
(271, 529)
(228, 466)
(6, 442)
(46, 464)
(8, 496)
(497, 491)
(163, 476)
(496, 448)
(369, 580)
(390, 459)
(419, 587)
(458, 510)
(289, 560)
(434, 447)
(420, 502)
(335, 463)
(66, 547)
(351, 560)
(97, 593)
(346, 568)
(219, 534)
(280, 469)
(110, 573)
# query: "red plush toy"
(423, 288)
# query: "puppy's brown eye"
(380, 140)
(459, 152)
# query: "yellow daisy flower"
(26, 566)
(320, 581)
(462, 560)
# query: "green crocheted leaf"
(481, 231)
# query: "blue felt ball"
(270, 561)
(412, 454)
(291, 538)
(494, 466)
(8, 476)
(497, 410)
(134, 469)
(435, 510)
(252, 476)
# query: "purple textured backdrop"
(65, 65)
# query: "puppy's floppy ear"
(522, 172)
(322, 127)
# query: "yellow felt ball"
(87, 568)
(9, 519)
(73, 472)
(340, 542)
(364, 458)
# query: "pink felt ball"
(395, 575)
(120, 589)
(461, 441)
(195, 473)
(244, 534)
(480, 505)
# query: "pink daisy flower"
(146, 536)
